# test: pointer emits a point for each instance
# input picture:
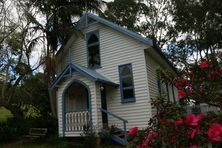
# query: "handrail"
(109, 113)
(124, 122)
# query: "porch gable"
(89, 73)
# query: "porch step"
(118, 136)
(118, 140)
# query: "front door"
(104, 106)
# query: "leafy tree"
(200, 22)
(123, 12)
(148, 17)
(37, 95)
(59, 17)
(157, 23)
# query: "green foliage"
(173, 127)
(12, 129)
(5, 114)
(123, 12)
(199, 25)
(105, 136)
(200, 17)
(37, 95)
(30, 111)
(150, 18)
(199, 82)
(90, 138)
(7, 132)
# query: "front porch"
(79, 94)
(77, 110)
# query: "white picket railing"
(76, 121)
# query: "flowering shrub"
(200, 82)
(178, 129)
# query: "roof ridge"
(126, 31)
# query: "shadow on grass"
(53, 142)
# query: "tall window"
(126, 83)
(93, 50)
(163, 88)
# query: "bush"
(105, 137)
(200, 82)
(17, 127)
(5, 114)
(7, 132)
(176, 128)
(90, 138)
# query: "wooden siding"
(94, 102)
(115, 49)
(151, 66)
(78, 51)
(118, 49)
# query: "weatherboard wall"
(152, 64)
(117, 49)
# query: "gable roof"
(125, 31)
(132, 34)
(82, 24)
(89, 73)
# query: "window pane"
(92, 39)
(128, 93)
(126, 82)
(94, 58)
(125, 71)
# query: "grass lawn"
(4, 114)
(32, 144)
(21, 144)
(71, 143)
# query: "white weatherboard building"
(107, 76)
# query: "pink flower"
(179, 84)
(193, 120)
(179, 121)
(133, 131)
(146, 143)
(204, 64)
(189, 91)
(190, 73)
(181, 94)
(215, 132)
(152, 135)
(192, 133)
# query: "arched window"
(126, 83)
(93, 50)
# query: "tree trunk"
(52, 97)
